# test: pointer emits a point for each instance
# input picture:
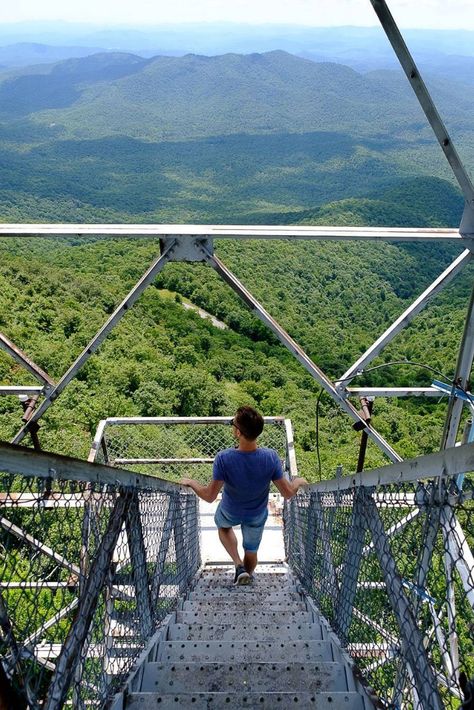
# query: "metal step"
(255, 616)
(246, 677)
(249, 589)
(262, 645)
(245, 630)
(237, 701)
(242, 593)
(227, 582)
(245, 651)
(263, 570)
(244, 604)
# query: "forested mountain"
(196, 96)
(252, 139)
(232, 138)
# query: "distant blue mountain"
(30, 53)
(362, 48)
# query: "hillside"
(259, 138)
(196, 96)
(22, 54)
(115, 137)
(362, 48)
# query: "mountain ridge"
(196, 96)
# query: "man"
(246, 473)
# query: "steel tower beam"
(440, 465)
(406, 317)
(24, 360)
(297, 351)
(461, 379)
(412, 639)
(98, 338)
(233, 231)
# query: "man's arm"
(208, 493)
(289, 488)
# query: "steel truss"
(346, 564)
(188, 247)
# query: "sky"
(433, 14)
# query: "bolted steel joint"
(188, 247)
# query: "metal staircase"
(104, 602)
(263, 645)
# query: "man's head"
(249, 422)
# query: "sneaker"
(241, 576)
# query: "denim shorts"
(252, 529)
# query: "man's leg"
(250, 561)
(229, 540)
(252, 532)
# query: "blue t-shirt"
(247, 476)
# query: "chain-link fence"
(88, 568)
(171, 447)
(93, 560)
(391, 568)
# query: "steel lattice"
(391, 569)
(88, 572)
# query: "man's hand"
(290, 488)
(207, 493)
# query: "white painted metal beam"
(20, 390)
(118, 421)
(394, 392)
(290, 449)
(460, 553)
(406, 317)
(461, 379)
(232, 231)
(446, 463)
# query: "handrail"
(19, 460)
(444, 464)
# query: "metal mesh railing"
(175, 447)
(88, 570)
(391, 568)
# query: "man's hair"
(249, 422)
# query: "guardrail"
(166, 446)
(93, 558)
(387, 556)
